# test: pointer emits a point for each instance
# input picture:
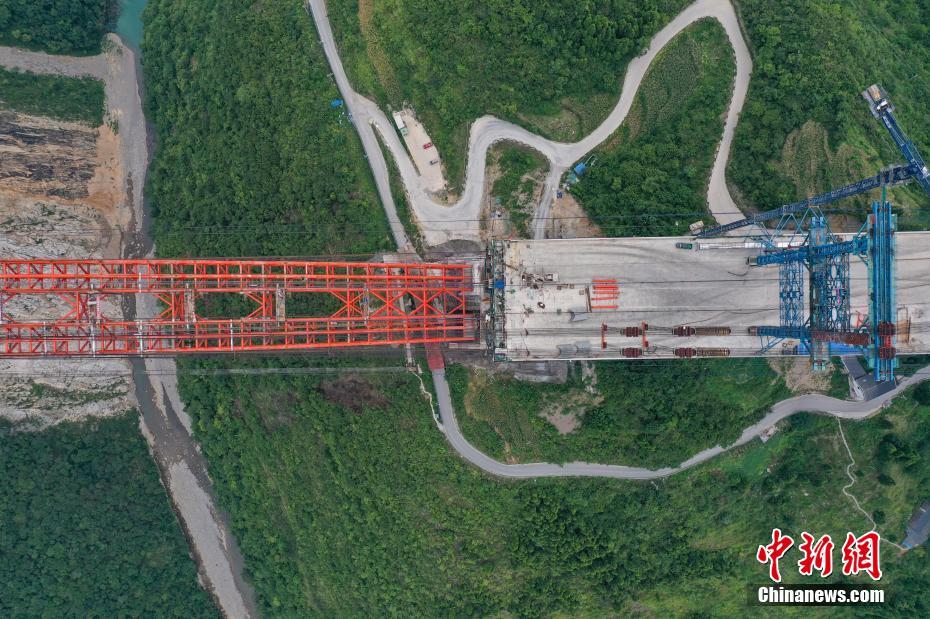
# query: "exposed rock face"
(44, 157)
(60, 197)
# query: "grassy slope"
(64, 98)
(651, 177)
(365, 512)
(86, 528)
(515, 163)
(554, 67)
(805, 127)
(648, 413)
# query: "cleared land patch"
(515, 178)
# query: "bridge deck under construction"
(589, 298)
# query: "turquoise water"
(129, 24)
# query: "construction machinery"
(914, 170)
(360, 304)
(570, 298)
(812, 245)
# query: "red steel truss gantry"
(367, 304)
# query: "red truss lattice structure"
(376, 303)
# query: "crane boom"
(914, 169)
(883, 110)
(893, 176)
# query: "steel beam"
(377, 303)
(882, 307)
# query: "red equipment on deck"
(375, 304)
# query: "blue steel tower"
(802, 241)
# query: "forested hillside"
(555, 68)
(252, 159)
(456, 61)
(650, 178)
(805, 127)
(345, 498)
(64, 98)
(56, 26)
(86, 529)
(348, 502)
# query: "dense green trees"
(86, 528)
(651, 177)
(804, 127)
(344, 497)
(922, 394)
(456, 61)
(252, 159)
(348, 502)
(56, 26)
(65, 98)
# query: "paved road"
(441, 223)
(366, 116)
(806, 403)
(164, 423)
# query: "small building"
(399, 122)
(918, 527)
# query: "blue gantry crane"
(802, 238)
(828, 328)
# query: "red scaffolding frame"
(377, 303)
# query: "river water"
(129, 24)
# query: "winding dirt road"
(440, 223)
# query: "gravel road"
(69, 66)
(820, 404)
(441, 223)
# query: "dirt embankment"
(568, 220)
(509, 216)
(799, 377)
(59, 198)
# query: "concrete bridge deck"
(558, 296)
